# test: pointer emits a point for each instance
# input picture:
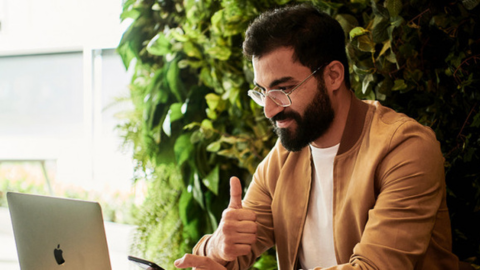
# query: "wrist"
(211, 252)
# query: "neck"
(340, 101)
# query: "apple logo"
(59, 255)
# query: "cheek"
(299, 107)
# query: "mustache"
(285, 115)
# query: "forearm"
(205, 248)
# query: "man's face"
(316, 120)
(310, 114)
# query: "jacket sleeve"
(409, 179)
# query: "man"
(351, 185)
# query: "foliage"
(191, 108)
(156, 239)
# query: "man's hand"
(237, 231)
(198, 262)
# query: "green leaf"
(470, 4)
(386, 46)
(206, 77)
(385, 86)
(378, 10)
(365, 44)
(328, 4)
(159, 45)
(206, 124)
(476, 120)
(366, 82)
(183, 148)
(175, 112)
(212, 100)
(185, 205)
(396, 21)
(230, 153)
(207, 128)
(191, 126)
(380, 29)
(219, 52)
(196, 137)
(126, 53)
(362, 70)
(232, 139)
(212, 179)
(178, 34)
(214, 146)
(130, 14)
(217, 17)
(191, 50)
(266, 262)
(347, 21)
(399, 84)
(394, 7)
(130, 44)
(197, 191)
(358, 31)
(174, 80)
(392, 58)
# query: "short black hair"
(316, 37)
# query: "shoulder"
(403, 147)
(393, 128)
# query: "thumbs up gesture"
(237, 231)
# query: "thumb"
(235, 193)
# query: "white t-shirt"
(317, 248)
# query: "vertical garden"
(193, 125)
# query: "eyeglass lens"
(278, 96)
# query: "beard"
(317, 119)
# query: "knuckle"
(228, 240)
(229, 250)
(229, 214)
(227, 226)
(224, 213)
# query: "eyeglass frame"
(252, 92)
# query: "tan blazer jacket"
(389, 208)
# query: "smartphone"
(144, 264)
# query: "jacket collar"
(354, 125)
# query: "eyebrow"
(275, 82)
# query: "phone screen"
(144, 264)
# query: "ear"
(334, 75)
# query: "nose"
(271, 108)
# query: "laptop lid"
(55, 233)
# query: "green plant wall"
(191, 108)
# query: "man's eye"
(285, 89)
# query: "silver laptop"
(55, 233)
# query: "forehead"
(277, 64)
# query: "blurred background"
(60, 86)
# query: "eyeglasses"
(280, 97)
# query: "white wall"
(57, 25)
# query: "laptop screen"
(57, 233)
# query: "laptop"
(55, 233)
